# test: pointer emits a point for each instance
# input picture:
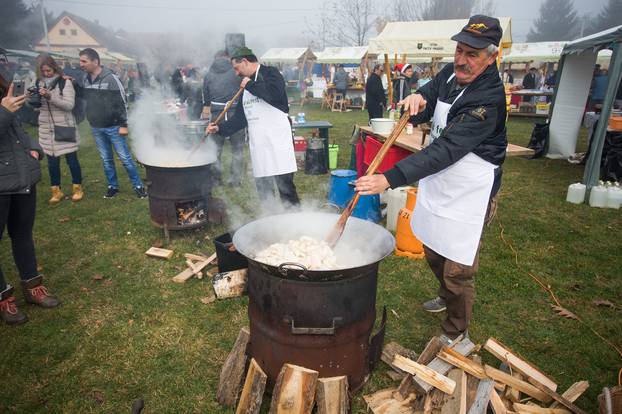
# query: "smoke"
(159, 139)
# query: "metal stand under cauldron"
(322, 320)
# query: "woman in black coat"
(19, 173)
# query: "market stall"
(427, 39)
(345, 55)
(302, 58)
(573, 79)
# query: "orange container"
(615, 122)
(406, 244)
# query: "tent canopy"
(539, 51)
(341, 54)
(287, 55)
(429, 38)
(575, 74)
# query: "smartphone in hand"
(18, 88)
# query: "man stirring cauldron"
(265, 111)
(459, 173)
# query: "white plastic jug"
(396, 200)
(576, 193)
(614, 196)
(598, 196)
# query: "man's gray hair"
(492, 49)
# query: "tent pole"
(592, 168)
(387, 71)
(404, 58)
(558, 78)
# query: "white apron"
(269, 136)
(451, 204)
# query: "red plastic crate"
(395, 154)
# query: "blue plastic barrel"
(339, 192)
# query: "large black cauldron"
(322, 320)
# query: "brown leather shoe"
(37, 294)
(8, 309)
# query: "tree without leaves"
(409, 10)
(610, 16)
(557, 22)
(346, 23)
(20, 25)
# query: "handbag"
(62, 133)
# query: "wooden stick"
(252, 393)
(522, 386)
(497, 404)
(426, 374)
(563, 401)
(464, 347)
(482, 398)
(457, 402)
(573, 392)
(534, 409)
(195, 257)
(337, 231)
(407, 386)
(219, 118)
(159, 253)
(460, 361)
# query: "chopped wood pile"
(297, 389)
(453, 380)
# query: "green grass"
(135, 334)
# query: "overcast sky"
(274, 23)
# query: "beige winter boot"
(78, 192)
(57, 195)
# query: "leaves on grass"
(604, 302)
(97, 276)
(98, 396)
(39, 268)
(64, 219)
(565, 313)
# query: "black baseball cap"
(480, 32)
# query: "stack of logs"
(296, 391)
(452, 380)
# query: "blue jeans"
(74, 167)
(106, 139)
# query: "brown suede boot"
(78, 192)
(37, 294)
(57, 195)
(8, 309)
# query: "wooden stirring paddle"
(219, 118)
(337, 230)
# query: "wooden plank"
(573, 392)
(332, 396)
(194, 268)
(252, 392)
(232, 372)
(460, 361)
(482, 397)
(294, 390)
(457, 402)
(464, 347)
(195, 257)
(426, 374)
(505, 354)
(497, 404)
(534, 409)
(184, 276)
(393, 348)
(472, 383)
(230, 284)
(407, 386)
(159, 253)
(563, 401)
(522, 386)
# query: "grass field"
(125, 331)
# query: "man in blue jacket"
(106, 111)
(459, 173)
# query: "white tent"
(538, 51)
(573, 79)
(287, 55)
(342, 54)
(430, 38)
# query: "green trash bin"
(333, 152)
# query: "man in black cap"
(265, 111)
(459, 173)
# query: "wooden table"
(413, 142)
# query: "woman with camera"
(19, 172)
(58, 132)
